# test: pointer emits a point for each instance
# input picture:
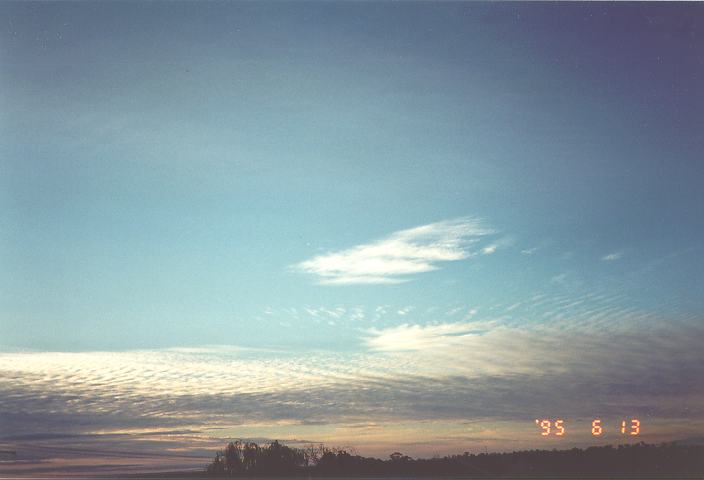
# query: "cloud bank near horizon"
(606, 357)
(403, 253)
(462, 380)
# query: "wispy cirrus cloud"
(499, 244)
(611, 257)
(392, 259)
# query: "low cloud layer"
(441, 371)
(403, 253)
(544, 356)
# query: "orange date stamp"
(557, 427)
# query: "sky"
(388, 226)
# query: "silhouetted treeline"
(248, 458)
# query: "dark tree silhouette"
(233, 458)
(217, 467)
(240, 458)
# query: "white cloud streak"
(612, 257)
(403, 253)
(501, 243)
(489, 249)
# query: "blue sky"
(273, 182)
